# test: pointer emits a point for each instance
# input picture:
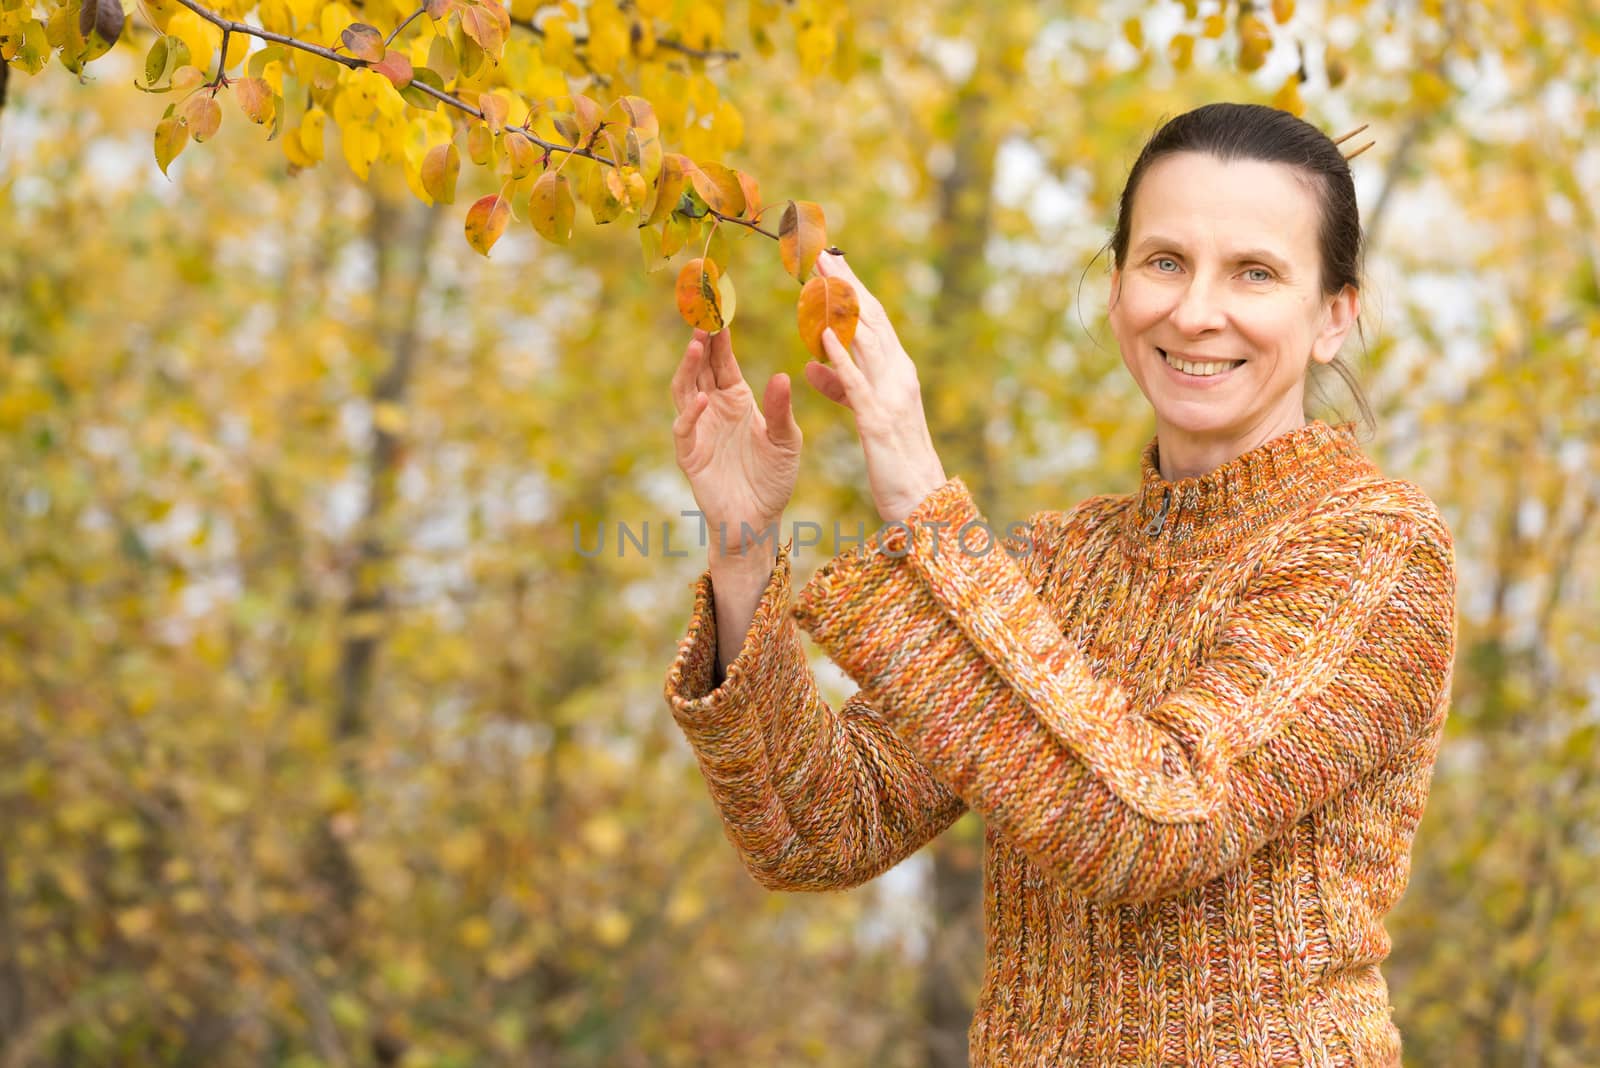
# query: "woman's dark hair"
(1257, 132)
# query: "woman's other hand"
(742, 461)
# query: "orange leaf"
(255, 98)
(439, 170)
(699, 301)
(363, 41)
(802, 234)
(826, 302)
(486, 221)
(717, 185)
(396, 66)
(202, 114)
(551, 208)
(752, 193)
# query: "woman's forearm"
(737, 583)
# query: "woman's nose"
(1199, 309)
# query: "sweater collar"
(1208, 513)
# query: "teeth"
(1203, 370)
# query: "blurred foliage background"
(320, 742)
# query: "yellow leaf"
(440, 168)
(311, 127)
(171, 136)
(199, 35)
(551, 208)
(361, 147)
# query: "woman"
(1199, 719)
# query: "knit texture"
(1199, 721)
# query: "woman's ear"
(1338, 319)
(1116, 288)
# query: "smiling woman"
(1236, 253)
(1199, 719)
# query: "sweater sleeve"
(811, 798)
(1335, 657)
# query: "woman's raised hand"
(742, 461)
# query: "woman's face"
(1223, 269)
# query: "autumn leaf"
(717, 185)
(486, 221)
(487, 24)
(255, 98)
(521, 155)
(669, 188)
(751, 188)
(567, 126)
(363, 41)
(495, 108)
(802, 234)
(825, 302)
(588, 115)
(596, 192)
(439, 170)
(699, 298)
(551, 208)
(202, 114)
(395, 66)
(171, 136)
(480, 145)
(103, 17)
(415, 96)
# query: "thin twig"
(409, 18)
(668, 43)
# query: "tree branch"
(227, 26)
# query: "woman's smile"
(1197, 372)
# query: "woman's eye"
(1259, 274)
(1165, 264)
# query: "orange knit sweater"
(1199, 721)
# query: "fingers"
(851, 380)
(686, 378)
(683, 426)
(724, 368)
(826, 382)
(782, 428)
